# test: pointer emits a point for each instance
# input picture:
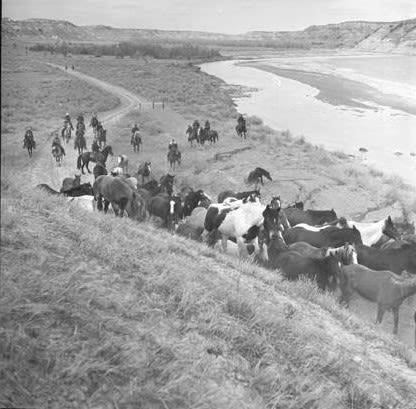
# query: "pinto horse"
(121, 196)
(371, 233)
(85, 158)
(238, 195)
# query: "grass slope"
(101, 312)
(97, 310)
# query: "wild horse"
(58, 153)
(85, 158)
(80, 142)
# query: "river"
(379, 115)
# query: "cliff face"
(369, 36)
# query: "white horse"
(371, 233)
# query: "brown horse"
(294, 264)
(382, 287)
(311, 217)
(145, 171)
(174, 157)
(395, 260)
(121, 196)
(85, 158)
(168, 208)
(330, 237)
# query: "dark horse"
(311, 217)
(174, 156)
(136, 141)
(192, 135)
(256, 176)
(192, 200)
(121, 196)
(210, 135)
(58, 152)
(241, 130)
(330, 237)
(80, 142)
(99, 169)
(102, 136)
(81, 190)
(238, 195)
(29, 144)
(87, 157)
(166, 183)
(145, 170)
(293, 264)
(168, 208)
(395, 260)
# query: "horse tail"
(79, 162)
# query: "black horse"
(87, 157)
(192, 200)
(99, 169)
(256, 177)
(145, 171)
(80, 142)
(29, 144)
(241, 129)
(168, 208)
(81, 190)
(166, 183)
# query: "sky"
(221, 16)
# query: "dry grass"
(101, 312)
(130, 314)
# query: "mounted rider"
(173, 145)
(80, 123)
(207, 125)
(57, 142)
(67, 121)
(29, 138)
(95, 148)
(94, 121)
(135, 132)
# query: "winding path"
(46, 169)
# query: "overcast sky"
(223, 16)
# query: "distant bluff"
(367, 36)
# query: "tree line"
(132, 49)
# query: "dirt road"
(46, 170)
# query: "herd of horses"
(371, 259)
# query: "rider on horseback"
(173, 145)
(29, 138)
(80, 123)
(207, 125)
(67, 121)
(134, 132)
(57, 142)
(95, 147)
(134, 129)
(94, 120)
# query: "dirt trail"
(46, 170)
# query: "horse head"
(390, 230)
(275, 203)
(272, 221)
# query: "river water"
(386, 132)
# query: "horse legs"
(106, 204)
(380, 313)
(88, 167)
(224, 240)
(396, 320)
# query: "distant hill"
(370, 36)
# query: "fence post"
(153, 105)
(163, 104)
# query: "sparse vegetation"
(98, 311)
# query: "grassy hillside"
(101, 312)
